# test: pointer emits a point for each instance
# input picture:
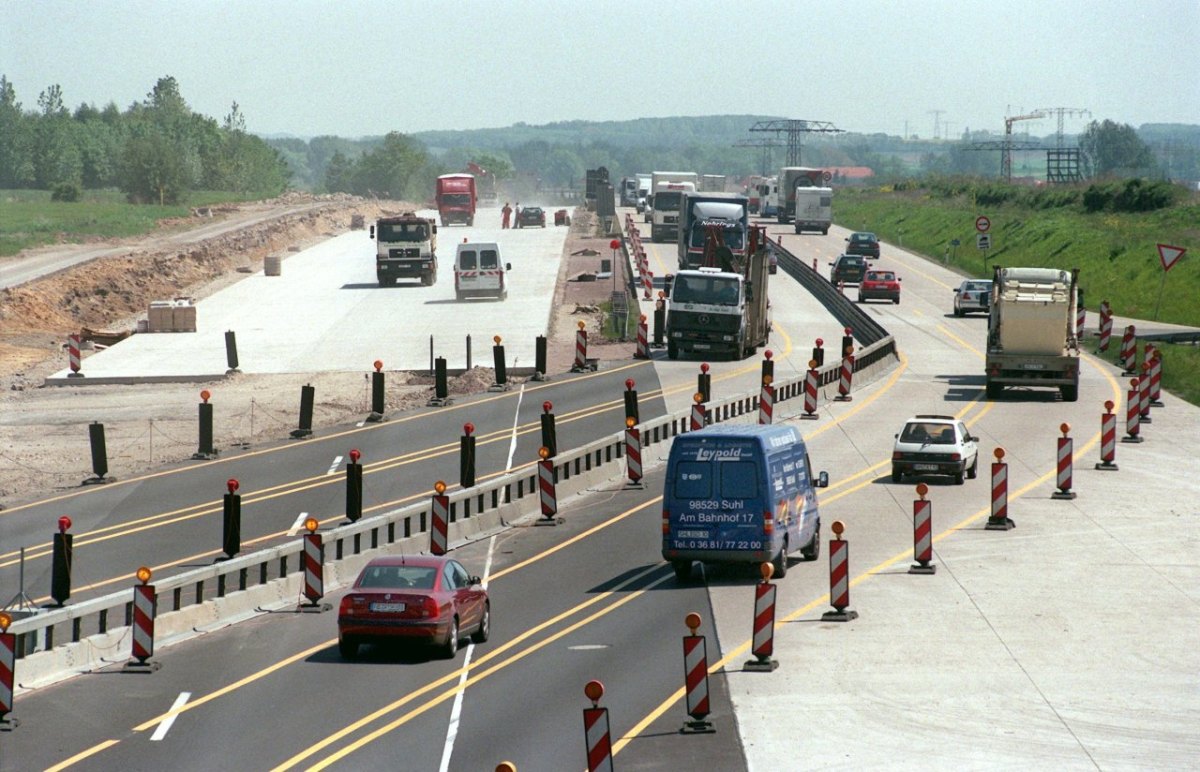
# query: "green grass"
(1115, 253)
(28, 218)
(610, 331)
(1180, 367)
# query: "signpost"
(982, 223)
(983, 241)
(1168, 255)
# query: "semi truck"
(701, 211)
(1031, 338)
(712, 183)
(722, 309)
(791, 177)
(405, 248)
(456, 199)
(667, 190)
(628, 191)
(814, 209)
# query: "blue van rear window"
(693, 480)
(739, 480)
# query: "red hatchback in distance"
(884, 285)
(430, 600)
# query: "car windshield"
(928, 433)
(881, 276)
(398, 577)
(714, 290)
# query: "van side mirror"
(823, 480)
(508, 266)
(372, 231)
(474, 580)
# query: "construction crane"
(1007, 148)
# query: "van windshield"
(697, 480)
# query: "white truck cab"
(478, 271)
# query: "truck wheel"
(672, 351)
(798, 229)
(824, 231)
(993, 390)
(781, 561)
(682, 569)
(813, 550)
(897, 475)
(458, 296)
(1069, 393)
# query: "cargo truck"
(1031, 331)
(643, 192)
(628, 191)
(667, 190)
(712, 183)
(701, 211)
(791, 177)
(814, 209)
(722, 308)
(456, 199)
(405, 248)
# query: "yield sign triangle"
(1169, 255)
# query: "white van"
(478, 271)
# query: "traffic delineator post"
(73, 358)
(1156, 379)
(1133, 413)
(440, 521)
(839, 577)
(597, 737)
(354, 486)
(580, 364)
(699, 415)
(1080, 322)
(547, 493)
(643, 344)
(231, 520)
(922, 533)
(1144, 395)
(999, 520)
(1065, 465)
(1105, 325)
(766, 402)
(633, 453)
(145, 609)
(762, 644)
(810, 390)
(847, 376)
(695, 677)
(1129, 351)
(313, 556)
(8, 673)
(1108, 439)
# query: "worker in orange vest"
(507, 213)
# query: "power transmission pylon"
(1060, 113)
(937, 115)
(767, 146)
(795, 129)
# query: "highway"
(1061, 644)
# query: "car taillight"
(428, 609)
(897, 455)
(666, 522)
(955, 457)
(768, 523)
(345, 606)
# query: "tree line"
(155, 151)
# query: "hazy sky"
(358, 67)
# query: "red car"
(431, 600)
(879, 284)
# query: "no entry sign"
(982, 224)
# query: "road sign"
(954, 242)
(1169, 255)
(826, 176)
(983, 241)
(982, 224)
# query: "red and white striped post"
(699, 418)
(633, 452)
(1080, 322)
(647, 285)
(643, 344)
(580, 349)
(847, 376)
(810, 390)
(766, 402)
(763, 643)
(1108, 439)
(440, 522)
(1105, 324)
(1133, 413)
(922, 533)
(1065, 465)
(73, 358)
(1144, 395)
(999, 520)
(841, 287)
(1156, 379)
(314, 564)
(8, 671)
(695, 677)
(839, 577)
(1129, 350)
(547, 494)
(595, 730)
(144, 612)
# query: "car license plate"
(925, 467)
(388, 607)
(702, 346)
(1034, 366)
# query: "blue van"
(740, 494)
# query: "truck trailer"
(791, 177)
(456, 199)
(1031, 337)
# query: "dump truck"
(722, 307)
(405, 248)
(1031, 338)
(700, 211)
(456, 199)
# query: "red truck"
(456, 199)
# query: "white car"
(935, 445)
(973, 295)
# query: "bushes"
(65, 191)
(1132, 195)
